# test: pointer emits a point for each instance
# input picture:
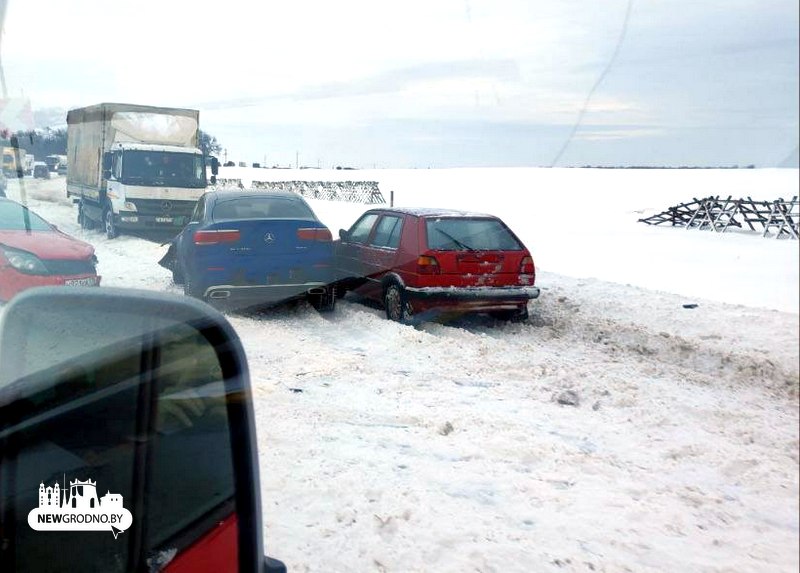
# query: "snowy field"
(443, 448)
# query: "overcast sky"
(431, 83)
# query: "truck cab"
(147, 185)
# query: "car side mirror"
(145, 396)
(214, 165)
(213, 180)
(344, 235)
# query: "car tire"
(108, 223)
(519, 314)
(84, 221)
(396, 304)
(324, 302)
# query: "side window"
(191, 426)
(116, 165)
(387, 233)
(359, 232)
(199, 210)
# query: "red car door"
(379, 254)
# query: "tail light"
(216, 236)
(428, 265)
(526, 268)
(323, 235)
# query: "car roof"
(432, 212)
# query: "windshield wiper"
(456, 241)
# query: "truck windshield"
(166, 168)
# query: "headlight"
(130, 206)
(25, 262)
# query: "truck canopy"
(93, 130)
(141, 123)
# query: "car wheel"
(519, 314)
(324, 302)
(396, 305)
(110, 225)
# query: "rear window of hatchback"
(469, 234)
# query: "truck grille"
(69, 267)
(163, 207)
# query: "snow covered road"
(445, 448)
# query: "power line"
(597, 83)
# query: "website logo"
(79, 509)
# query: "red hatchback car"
(423, 261)
(34, 253)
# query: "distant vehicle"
(229, 164)
(134, 166)
(257, 165)
(249, 248)
(40, 170)
(419, 262)
(14, 161)
(62, 169)
(35, 253)
(243, 164)
(54, 162)
(29, 162)
(3, 184)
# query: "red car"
(425, 261)
(34, 253)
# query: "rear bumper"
(476, 299)
(516, 294)
(264, 294)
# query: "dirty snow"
(444, 448)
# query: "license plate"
(89, 281)
(163, 219)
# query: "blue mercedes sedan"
(246, 249)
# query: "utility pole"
(297, 160)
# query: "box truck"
(14, 161)
(134, 166)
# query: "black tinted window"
(462, 234)
(191, 434)
(262, 208)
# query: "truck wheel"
(110, 225)
(83, 220)
(394, 300)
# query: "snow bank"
(445, 447)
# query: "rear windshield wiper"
(455, 241)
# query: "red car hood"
(47, 244)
